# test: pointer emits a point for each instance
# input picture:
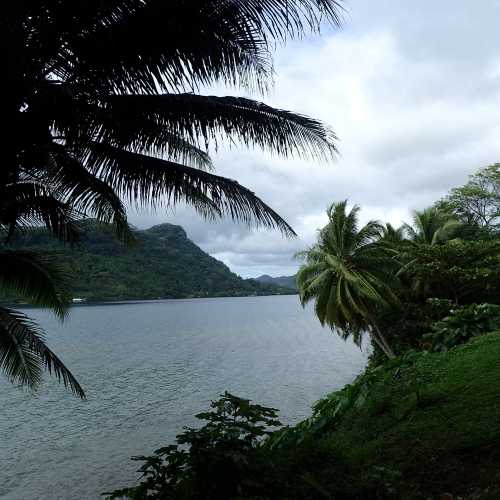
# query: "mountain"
(282, 281)
(164, 264)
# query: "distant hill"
(165, 264)
(282, 281)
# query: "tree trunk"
(381, 341)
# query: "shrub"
(220, 460)
(463, 324)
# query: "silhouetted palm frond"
(24, 354)
(194, 117)
(147, 180)
(176, 44)
(116, 72)
(29, 203)
(40, 279)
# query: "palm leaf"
(29, 203)
(40, 279)
(232, 39)
(194, 117)
(88, 194)
(144, 179)
(23, 353)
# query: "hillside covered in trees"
(284, 281)
(164, 263)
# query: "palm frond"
(144, 179)
(40, 279)
(194, 117)
(23, 353)
(432, 226)
(29, 203)
(187, 42)
(371, 232)
(85, 192)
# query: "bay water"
(147, 369)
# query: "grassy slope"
(428, 427)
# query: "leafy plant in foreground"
(221, 460)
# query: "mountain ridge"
(164, 264)
(282, 281)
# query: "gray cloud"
(413, 91)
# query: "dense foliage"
(163, 263)
(477, 202)
(462, 325)
(417, 427)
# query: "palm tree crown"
(432, 226)
(348, 274)
(102, 107)
(391, 235)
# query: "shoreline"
(110, 302)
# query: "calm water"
(147, 369)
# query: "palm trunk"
(381, 341)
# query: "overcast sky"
(412, 89)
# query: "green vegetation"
(163, 263)
(426, 424)
(224, 457)
(478, 202)
(418, 427)
(348, 274)
(395, 283)
(284, 281)
(463, 324)
(431, 226)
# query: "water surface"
(147, 369)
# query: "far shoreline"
(117, 302)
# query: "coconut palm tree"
(392, 236)
(348, 274)
(432, 226)
(103, 105)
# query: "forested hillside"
(163, 264)
(284, 281)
